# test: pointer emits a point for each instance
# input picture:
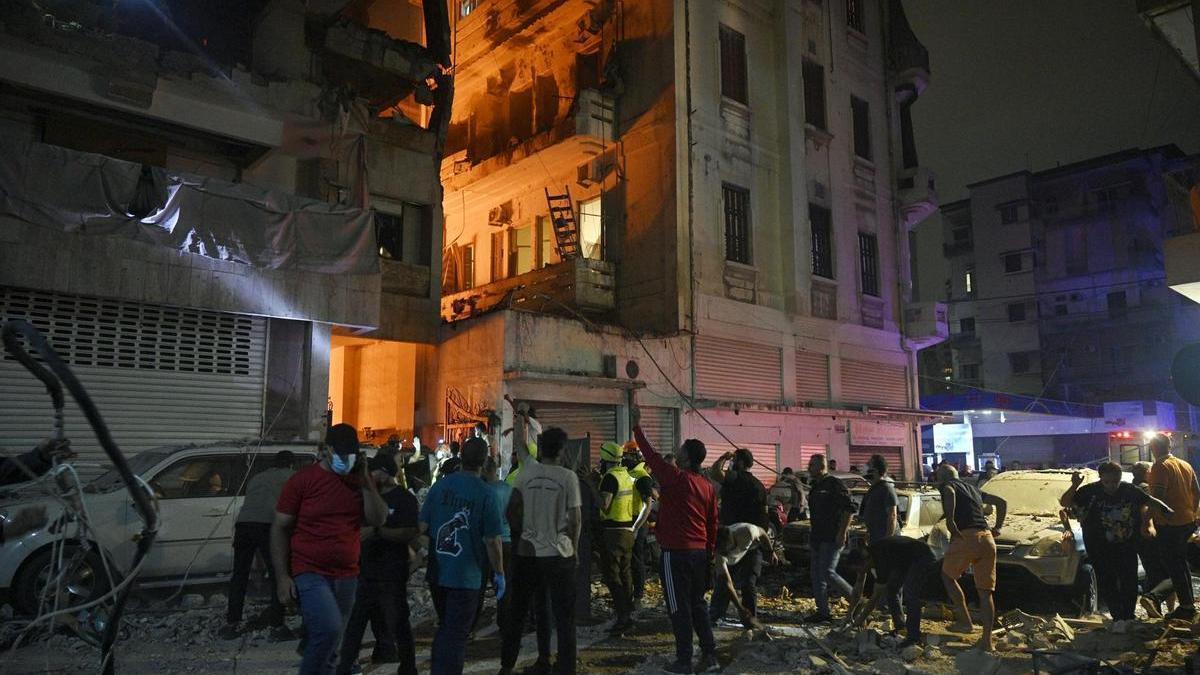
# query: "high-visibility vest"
(621, 509)
(637, 473)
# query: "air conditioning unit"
(594, 170)
(501, 215)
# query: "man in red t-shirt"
(687, 533)
(315, 542)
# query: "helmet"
(610, 452)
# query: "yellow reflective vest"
(621, 509)
(637, 473)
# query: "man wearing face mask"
(315, 542)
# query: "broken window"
(868, 257)
(497, 256)
(587, 70)
(733, 65)
(520, 114)
(520, 250)
(389, 234)
(861, 111)
(814, 94)
(591, 229)
(737, 223)
(822, 241)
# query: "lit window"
(969, 280)
(591, 229)
(520, 250)
(545, 241)
(465, 7)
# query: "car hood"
(1024, 530)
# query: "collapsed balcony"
(574, 285)
(925, 324)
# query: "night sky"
(1024, 84)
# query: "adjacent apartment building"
(1056, 286)
(705, 203)
(221, 214)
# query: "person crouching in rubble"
(900, 566)
(741, 548)
(972, 545)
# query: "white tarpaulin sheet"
(49, 186)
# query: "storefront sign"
(882, 434)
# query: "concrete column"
(318, 378)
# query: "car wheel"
(85, 581)
(1086, 593)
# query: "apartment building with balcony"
(1057, 288)
(744, 179)
(221, 214)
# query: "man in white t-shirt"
(546, 501)
(741, 548)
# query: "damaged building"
(704, 202)
(223, 214)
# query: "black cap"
(384, 463)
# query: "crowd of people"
(341, 535)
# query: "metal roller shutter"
(764, 454)
(579, 421)
(797, 458)
(661, 428)
(859, 454)
(878, 383)
(812, 376)
(158, 375)
(738, 371)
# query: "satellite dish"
(1185, 371)
(631, 369)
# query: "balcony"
(908, 59)
(917, 195)
(576, 285)
(925, 324)
(561, 149)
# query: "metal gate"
(797, 458)
(579, 421)
(879, 383)
(661, 426)
(159, 375)
(738, 371)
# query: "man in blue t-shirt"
(461, 521)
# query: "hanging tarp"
(92, 194)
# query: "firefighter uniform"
(617, 532)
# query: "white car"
(199, 490)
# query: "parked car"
(1041, 545)
(919, 511)
(199, 490)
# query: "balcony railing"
(576, 285)
(918, 195)
(926, 324)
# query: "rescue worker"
(643, 496)
(617, 518)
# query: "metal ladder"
(566, 228)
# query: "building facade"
(212, 210)
(1056, 289)
(735, 182)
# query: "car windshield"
(111, 480)
(1033, 494)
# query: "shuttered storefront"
(581, 421)
(764, 454)
(812, 376)
(158, 375)
(797, 458)
(859, 454)
(733, 370)
(661, 426)
(878, 383)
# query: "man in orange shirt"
(1174, 482)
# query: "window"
(389, 234)
(520, 250)
(861, 113)
(207, 476)
(822, 241)
(497, 256)
(1016, 312)
(737, 223)
(1117, 304)
(1106, 198)
(545, 241)
(465, 7)
(1075, 250)
(868, 258)
(1050, 206)
(733, 65)
(931, 511)
(814, 94)
(1009, 213)
(591, 229)
(969, 371)
(961, 235)
(854, 15)
(1019, 362)
(966, 325)
(468, 267)
(1012, 263)
(969, 282)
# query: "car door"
(197, 497)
